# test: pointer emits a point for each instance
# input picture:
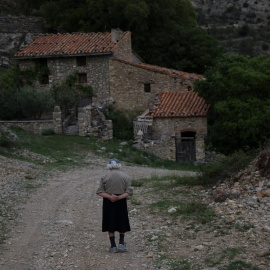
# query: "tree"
(163, 32)
(237, 88)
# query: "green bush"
(32, 104)
(47, 132)
(25, 103)
(122, 122)
(215, 173)
(68, 94)
(6, 141)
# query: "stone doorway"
(186, 147)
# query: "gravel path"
(60, 227)
(59, 224)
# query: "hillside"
(241, 26)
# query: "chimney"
(116, 35)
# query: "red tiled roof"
(180, 104)
(168, 71)
(69, 44)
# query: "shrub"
(122, 122)
(47, 132)
(25, 103)
(68, 94)
(216, 173)
(32, 103)
(6, 140)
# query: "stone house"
(106, 62)
(175, 128)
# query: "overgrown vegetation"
(122, 122)
(68, 94)
(237, 88)
(222, 170)
(163, 33)
(72, 150)
(18, 99)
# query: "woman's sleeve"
(129, 188)
(101, 187)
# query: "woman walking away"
(114, 187)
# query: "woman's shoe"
(122, 247)
(113, 250)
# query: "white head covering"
(114, 163)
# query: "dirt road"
(60, 227)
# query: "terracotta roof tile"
(180, 104)
(168, 71)
(69, 44)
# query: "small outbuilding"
(175, 127)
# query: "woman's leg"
(121, 238)
(112, 239)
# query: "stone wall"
(127, 85)
(35, 127)
(124, 48)
(96, 69)
(165, 130)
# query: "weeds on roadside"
(196, 211)
(227, 253)
(216, 173)
(240, 265)
(166, 182)
(71, 151)
(173, 264)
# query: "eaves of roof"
(180, 104)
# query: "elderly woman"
(114, 187)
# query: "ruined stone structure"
(91, 122)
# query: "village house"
(175, 128)
(106, 62)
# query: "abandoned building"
(106, 62)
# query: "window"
(82, 78)
(81, 61)
(42, 62)
(147, 87)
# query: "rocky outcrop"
(241, 26)
(16, 32)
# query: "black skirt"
(115, 216)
